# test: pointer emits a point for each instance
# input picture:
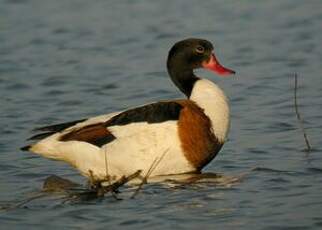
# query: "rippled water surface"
(65, 60)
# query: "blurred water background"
(65, 60)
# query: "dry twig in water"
(98, 190)
(22, 203)
(113, 192)
(299, 118)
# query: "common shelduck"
(183, 135)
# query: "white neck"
(212, 99)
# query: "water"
(62, 61)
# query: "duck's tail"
(47, 131)
(26, 148)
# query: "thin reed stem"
(299, 118)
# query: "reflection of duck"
(187, 133)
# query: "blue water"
(66, 60)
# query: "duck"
(181, 135)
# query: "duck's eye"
(200, 49)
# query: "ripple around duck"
(109, 86)
(55, 92)
(175, 185)
(18, 86)
(70, 103)
(271, 170)
(280, 127)
(314, 170)
(54, 81)
(257, 151)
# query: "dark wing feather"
(151, 113)
(59, 127)
(46, 131)
(40, 136)
(95, 134)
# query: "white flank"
(136, 147)
(212, 99)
